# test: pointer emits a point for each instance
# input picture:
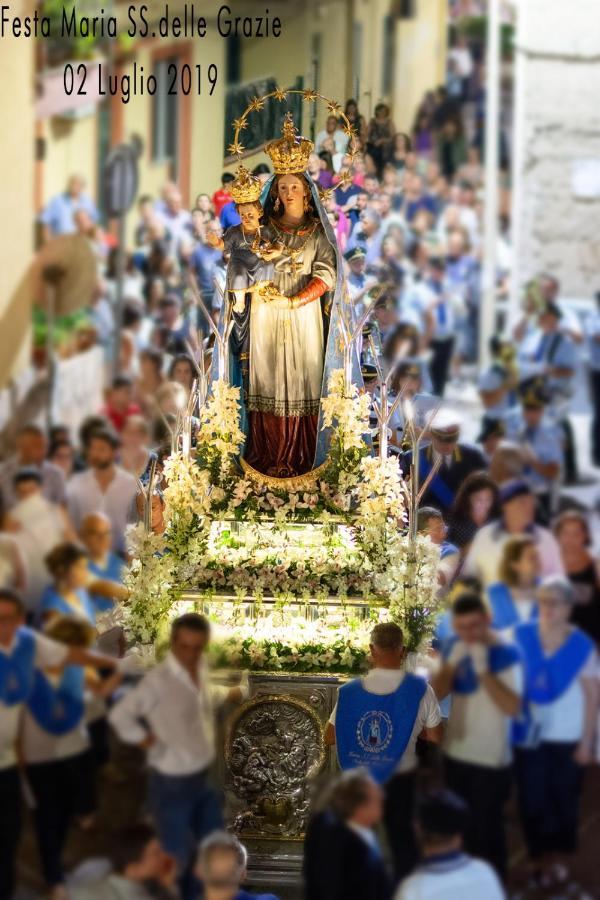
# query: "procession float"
(283, 524)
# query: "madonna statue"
(286, 336)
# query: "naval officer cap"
(446, 425)
(355, 253)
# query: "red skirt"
(281, 446)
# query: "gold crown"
(290, 153)
(246, 188)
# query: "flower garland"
(294, 646)
(354, 546)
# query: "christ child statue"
(250, 246)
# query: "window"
(387, 72)
(164, 114)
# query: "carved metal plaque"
(273, 747)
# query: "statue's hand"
(270, 294)
(271, 252)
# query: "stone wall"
(557, 143)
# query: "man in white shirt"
(103, 487)
(171, 715)
(518, 517)
(333, 132)
(483, 675)
(446, 872)
(22, 652)
(385, 678)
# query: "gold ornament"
(246, 188)
(236, 149)
(310, 96)
(334, 108)
(290, 153)
(240, 124)
(280, 94)
(256, 104)
(345, 179)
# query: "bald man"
(107, 571)
(96, 536)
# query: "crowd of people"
(513, 688)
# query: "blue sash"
(548, 677)
(500, 657)
(17, 670)
(447, 549)
(373, 730)
(442, 631)
(437, 485)
(504, 610)
(58, 709)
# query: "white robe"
(287, 346)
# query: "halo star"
(310, 96)
(236, 148)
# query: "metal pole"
(118, 310)
(487, 313)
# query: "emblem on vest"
(374, 731)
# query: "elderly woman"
(555, 741)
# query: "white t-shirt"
(386, 681)
(563, 720)
(478, 731)
(460, 878)
(48, 654)
(85, 496)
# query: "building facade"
(557, 145)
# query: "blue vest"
(504, 611)
(373, 730)
(58, 708)
(17, 670)
(500, 657)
